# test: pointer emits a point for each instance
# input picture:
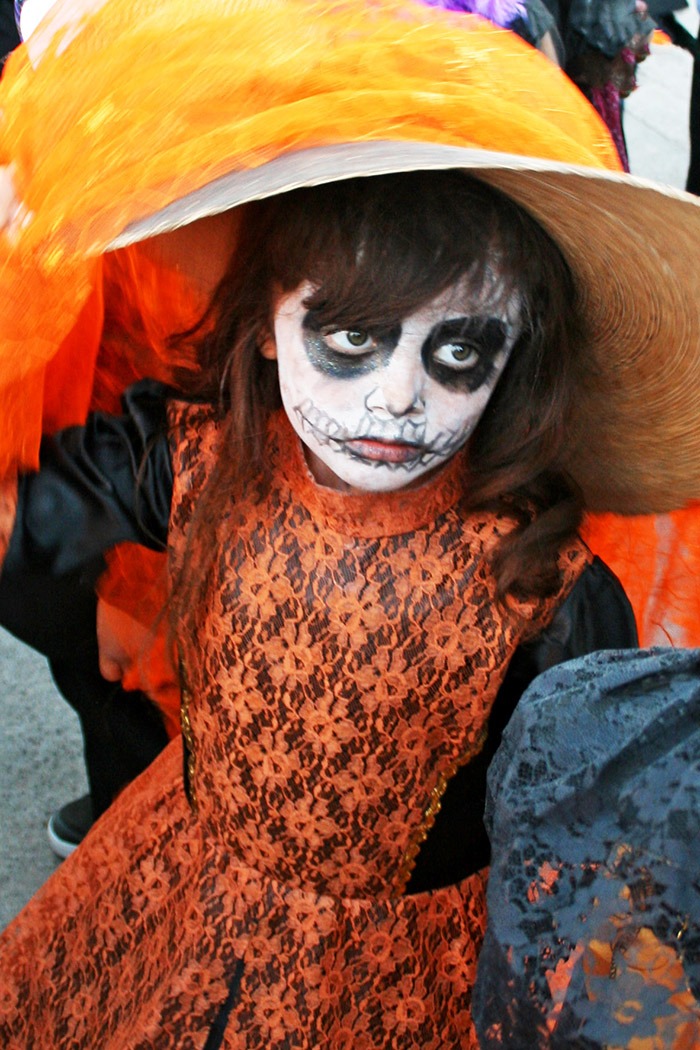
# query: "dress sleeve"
(596, 615)
(104, 483)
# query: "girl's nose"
(400, 387)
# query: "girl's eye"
(351, 341)
(460, 356)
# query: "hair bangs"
(376, 250)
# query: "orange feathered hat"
(121, 121)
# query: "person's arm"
(104, 483)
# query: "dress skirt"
(151, 935)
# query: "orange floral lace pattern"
(134, 947)
(334, 680)
(336, 676)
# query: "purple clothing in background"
(502, 12)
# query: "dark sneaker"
(68, 826)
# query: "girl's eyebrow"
(489, 331)
(311, 322)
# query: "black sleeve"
(98, 485)
(9, 34)
(596, 615)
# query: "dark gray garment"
(594, 817)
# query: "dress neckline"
(365, 513)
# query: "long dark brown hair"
(375, 250)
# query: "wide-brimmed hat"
(130, 121)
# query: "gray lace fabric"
(594, 893)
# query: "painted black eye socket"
(459, 356)
(460, 353)
(468, 339)
(350, 340)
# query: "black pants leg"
(122, 732)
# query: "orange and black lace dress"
(342, 665)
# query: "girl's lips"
(385, 451)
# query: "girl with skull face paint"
(385, 365)
(376, 344)
(370, 503)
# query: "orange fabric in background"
(657, 559)
(144, 302)
(121, 335)
(135, 588)
(68, 378)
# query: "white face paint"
(378, 410)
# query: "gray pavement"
(656, 115)
(40, 767)
(40, 744)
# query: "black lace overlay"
(594, 894)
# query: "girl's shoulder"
(188, 415)
(194, 430)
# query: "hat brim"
(635, 433)
(122, 127)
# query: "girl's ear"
(269, 349)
